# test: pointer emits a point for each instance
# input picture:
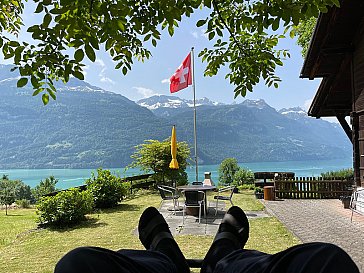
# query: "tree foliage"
(66, 208)
(227, 171)
(239, 30)
(45, 186)
(7, 193)
(154, 155)
(304, 32)
(243, 176)
(107, 189)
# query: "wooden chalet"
(336, 54)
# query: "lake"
(75, 177)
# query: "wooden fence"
(312, 188)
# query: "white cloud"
(203, 33)
(145, 92)
(307, 104)
(194, 34)
(100, 62)
(107, 80)
(102, 74)
(165, 81)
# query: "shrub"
(23, 203)
(344, 173)
(66, 208)
(107, 189)
(243, 176)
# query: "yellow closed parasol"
(174, 162)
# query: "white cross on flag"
(182, 77)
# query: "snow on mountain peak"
(163, 101)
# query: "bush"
(107, 189)
(344, 173)
(243, 176)
(23, 203)
(66, 208)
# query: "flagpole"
(194, 110)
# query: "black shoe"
(234, 226)
(233, 233)
(154, 234)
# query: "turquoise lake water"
(75, 177)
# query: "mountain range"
(87, 127)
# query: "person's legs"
(99, 260)
(155, 235)
(226, 254)
(232, 235)
(305, 258)
(162, 255)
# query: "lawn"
(24, 248)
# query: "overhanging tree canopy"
(240, 30)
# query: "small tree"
(24, 192)
(227, 170)
(154, 155)
(243, 176)
(45, 187)
(7, 193)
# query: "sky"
(152, 76)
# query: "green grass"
(24, 248)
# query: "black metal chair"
(222, 197)
(169, 193)
(197, 183)
(193, 199)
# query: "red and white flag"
(182, 77)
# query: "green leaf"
(39, 8)
(336, 3)
(275, 24)
(154, 42)
(22, 82)
(125, 70)
(200, 23)
(46, 20)
(147, 37)
(207, 3)
(36, 92)
(78, 75)
(90, 53)
(51, 93)
(211, 35)
(79, 54)
(121, 26)
(170, 30)
(45, 98)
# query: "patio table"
(198, 188)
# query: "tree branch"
(227, 27)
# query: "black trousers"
(305, 258)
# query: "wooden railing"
(312, 188)
(136, 182)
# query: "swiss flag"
(182, 77)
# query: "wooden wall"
(358, 106)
